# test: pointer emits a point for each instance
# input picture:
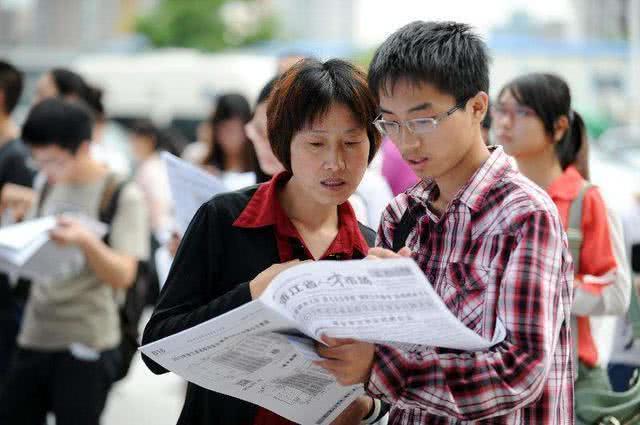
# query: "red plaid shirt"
(498, 252)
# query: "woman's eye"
(352, 143)
(315, 144)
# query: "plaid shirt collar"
(472, 194)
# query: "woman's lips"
(333, 183)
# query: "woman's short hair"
(306, 92)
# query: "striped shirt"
(497, 253)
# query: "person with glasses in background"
(534, 122)
(490, 242)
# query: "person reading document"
(489, 240)
(320, 126)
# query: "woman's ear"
(560, 128)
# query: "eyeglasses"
(501, 111)
(392, 129)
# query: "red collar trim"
(264, 209)
(567, 186)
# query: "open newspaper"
(27, 251)
(256, 352)
(190, 188)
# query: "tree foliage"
(201, 24)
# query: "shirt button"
(439, 228)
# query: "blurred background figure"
(267, 163)
(196, 151)
(395, 170)
(16, 175)
(230, 153)
(151, 175)
(106, 147)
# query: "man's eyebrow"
(419, 107)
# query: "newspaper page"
(385, 301)
(190, 188)
(246, 354)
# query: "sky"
(378, 18)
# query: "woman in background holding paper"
(320, 128)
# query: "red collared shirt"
(498, 253)
(264, 209)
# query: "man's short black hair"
(11, 82)
(447, 55)
(58, 122)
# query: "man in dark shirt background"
(14, 164)
(16, 176)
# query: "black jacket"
(210, 276)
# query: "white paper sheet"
(21, 235)
(190, 188)
(372, 300)
(26, 250)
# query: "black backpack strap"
(402, 230)
(109, 201)
(368, 234)
(44, 193)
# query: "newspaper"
(27, 251)
(190, 188)
(256, 352)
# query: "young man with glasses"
(489, 241)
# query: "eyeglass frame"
(435, 120)
(519, 111)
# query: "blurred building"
(602, 19)
(68, 24)
(327, 20)
(596, 70)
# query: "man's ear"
(84, 148)
(479, 105)
(560, 127)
